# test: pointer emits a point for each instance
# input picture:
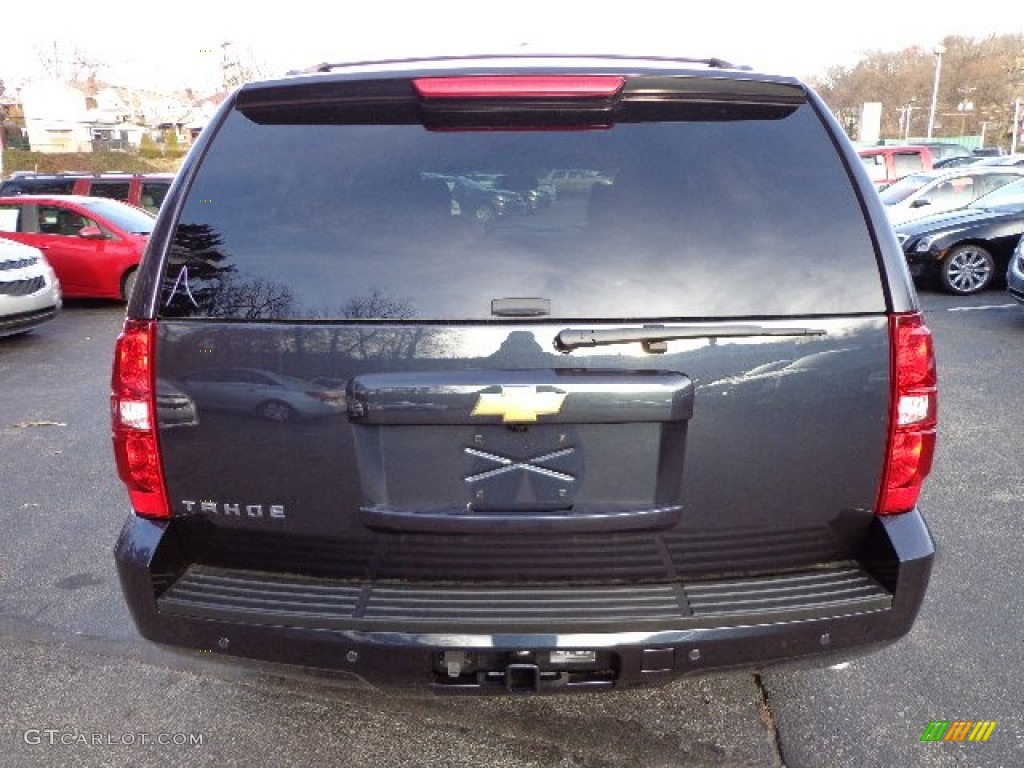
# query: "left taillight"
(133, 420)
(913, 420)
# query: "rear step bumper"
(249, 597)
(514, 638)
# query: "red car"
(93, 244)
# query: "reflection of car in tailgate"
(261, 393)
(644, 431)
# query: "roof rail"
(713, 62)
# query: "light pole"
(938, 51)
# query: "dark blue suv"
(674, 420)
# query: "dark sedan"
(964, 250)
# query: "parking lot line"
(986, 306)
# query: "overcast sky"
(171, 45)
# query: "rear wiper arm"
(655, 338)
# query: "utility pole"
(906, 113)
(225, 65)
(1016, 127)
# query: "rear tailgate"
(717, 457)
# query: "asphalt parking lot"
(81, 689)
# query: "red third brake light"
(913, 417)
(519, 87)
(133, 420)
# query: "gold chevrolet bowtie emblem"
(518, 404)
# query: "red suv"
(143, 190)
(886, 164)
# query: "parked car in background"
(886, 164)
(143, 190)
(29, 289)
(93, 244)
(561, 461)
(931, 192)
(965, 250)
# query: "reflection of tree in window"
(378, 306)
(201, 282)
(256, 299)
(195, 270)
(365, 341)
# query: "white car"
(931, 192)
(29, 291)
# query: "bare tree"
(238, 67)
(979, 81)
(66, 61)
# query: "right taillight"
(913, 417)
(133, 420)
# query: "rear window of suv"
(676, 211)
(114, 190)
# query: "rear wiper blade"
(655, 337)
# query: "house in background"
(112, 120)
(202, 112)
(56, 117)
(88, 117)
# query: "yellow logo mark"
(518, 404)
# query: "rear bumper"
(519, 638)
